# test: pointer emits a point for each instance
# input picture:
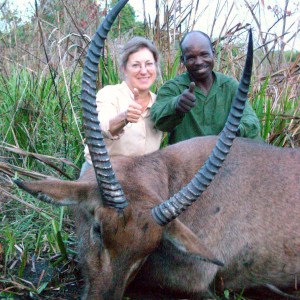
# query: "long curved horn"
(110, 189)
(170, 209)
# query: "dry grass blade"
(10, 170)
(30, 206)
(16, 285)
(20, 286)
(48, 160)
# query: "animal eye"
(96, 228)
(95, 234)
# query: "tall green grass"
(41, 116)
(279, 118)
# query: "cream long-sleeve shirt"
(136, 138)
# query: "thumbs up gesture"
(186, 100)
(134, 109)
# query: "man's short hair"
(195, 31)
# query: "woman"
(124, 109)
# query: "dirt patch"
(44, 280)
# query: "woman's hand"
(134, 112)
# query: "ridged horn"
(172, 208)
(110, 189)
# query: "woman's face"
(140, 70)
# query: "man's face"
(198, 56)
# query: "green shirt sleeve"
(249, 126)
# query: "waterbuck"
(243, 228)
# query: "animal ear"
(180, 237)
(58, 192)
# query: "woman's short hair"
(134, 45)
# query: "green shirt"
(207, 117)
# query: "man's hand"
(187, 99)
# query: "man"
(197, 103)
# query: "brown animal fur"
(248, 218)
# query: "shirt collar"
(219, 78)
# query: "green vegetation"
(41, 115)
(41, 128)
(126, 22)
